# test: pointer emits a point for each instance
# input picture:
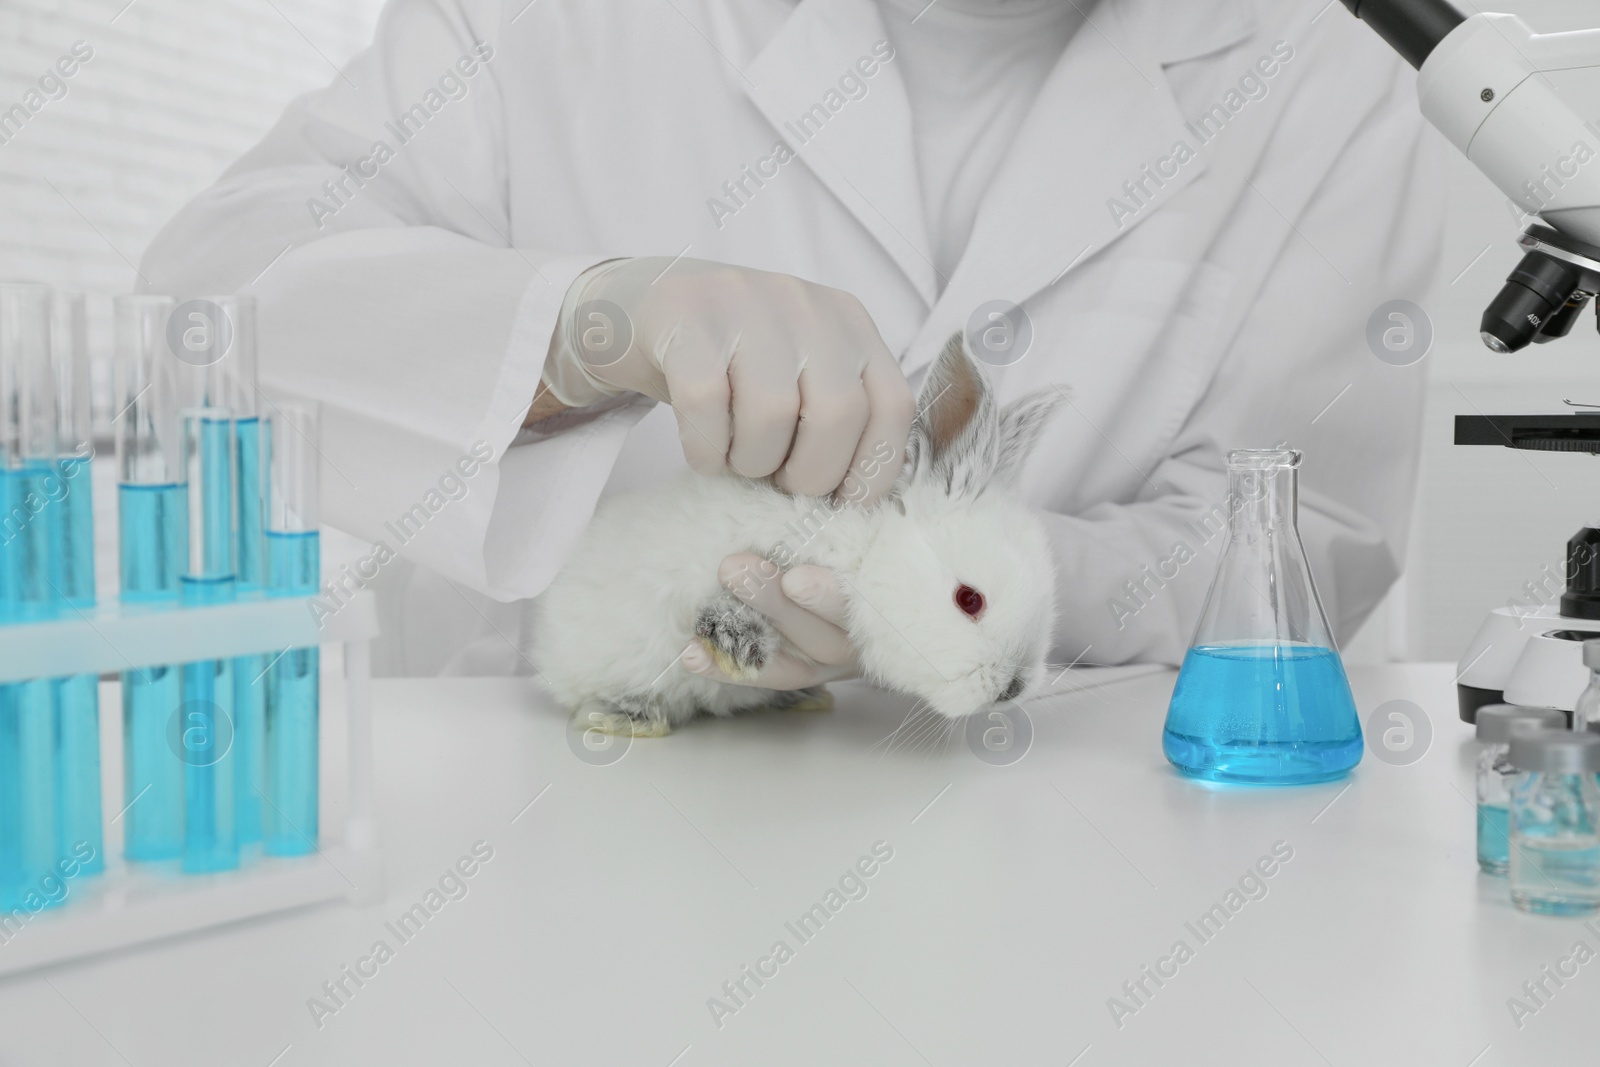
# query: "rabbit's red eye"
(969, 600)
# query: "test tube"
(232, 383)
(214, 338)
(205, 736)
(293, 569)
(77, 699)
(223, 328)
(152, 509)
(29, 590)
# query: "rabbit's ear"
(1021, 423)
(956, 436)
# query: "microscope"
(1515, 103)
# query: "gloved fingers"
(784, 670)
(833, 414)
(818, 591)
(724, 345)
(766, 404)
(881, 451)
(818, 636)
(697, 383)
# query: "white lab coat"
(1222, 307)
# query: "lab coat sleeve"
(372, 226)
(1298, 372)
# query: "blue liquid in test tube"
(29, 826)
(155, 538)
(292, 701)
(290, 819)
(205, 735)
(205, 731)
(250, 435)
(30, 581)
(153, 549)
(77, 698)
(28, 813)
(250, 684)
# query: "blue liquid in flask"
(1266, 714)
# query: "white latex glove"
(806, 606)
(768, 374)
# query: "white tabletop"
(1018, 900)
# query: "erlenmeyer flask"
(1262, 697)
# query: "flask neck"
(1262, 500)
(1263, 594)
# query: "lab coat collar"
(861, 148)
(1104, 148)
(1105, 113)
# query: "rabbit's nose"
(1013, 688)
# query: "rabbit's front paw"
(738, 636)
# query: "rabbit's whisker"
(929, 726)
(908, 728)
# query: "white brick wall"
(174, 92)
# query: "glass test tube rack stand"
(130, 903)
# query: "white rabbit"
(644, 582)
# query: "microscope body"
(1524, 108)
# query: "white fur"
(616, 619)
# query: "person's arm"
(1376, 215)
(372, 226)
(389, 290)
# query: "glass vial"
(293, 569)
(1555, 822)
(153, 549)
(1262, 697)
(1496, 775)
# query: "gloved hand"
(768, 374)
(806, 606)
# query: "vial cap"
(1495, 721)
(1591, 655)
(1556, 751)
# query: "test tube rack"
(129, 904)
